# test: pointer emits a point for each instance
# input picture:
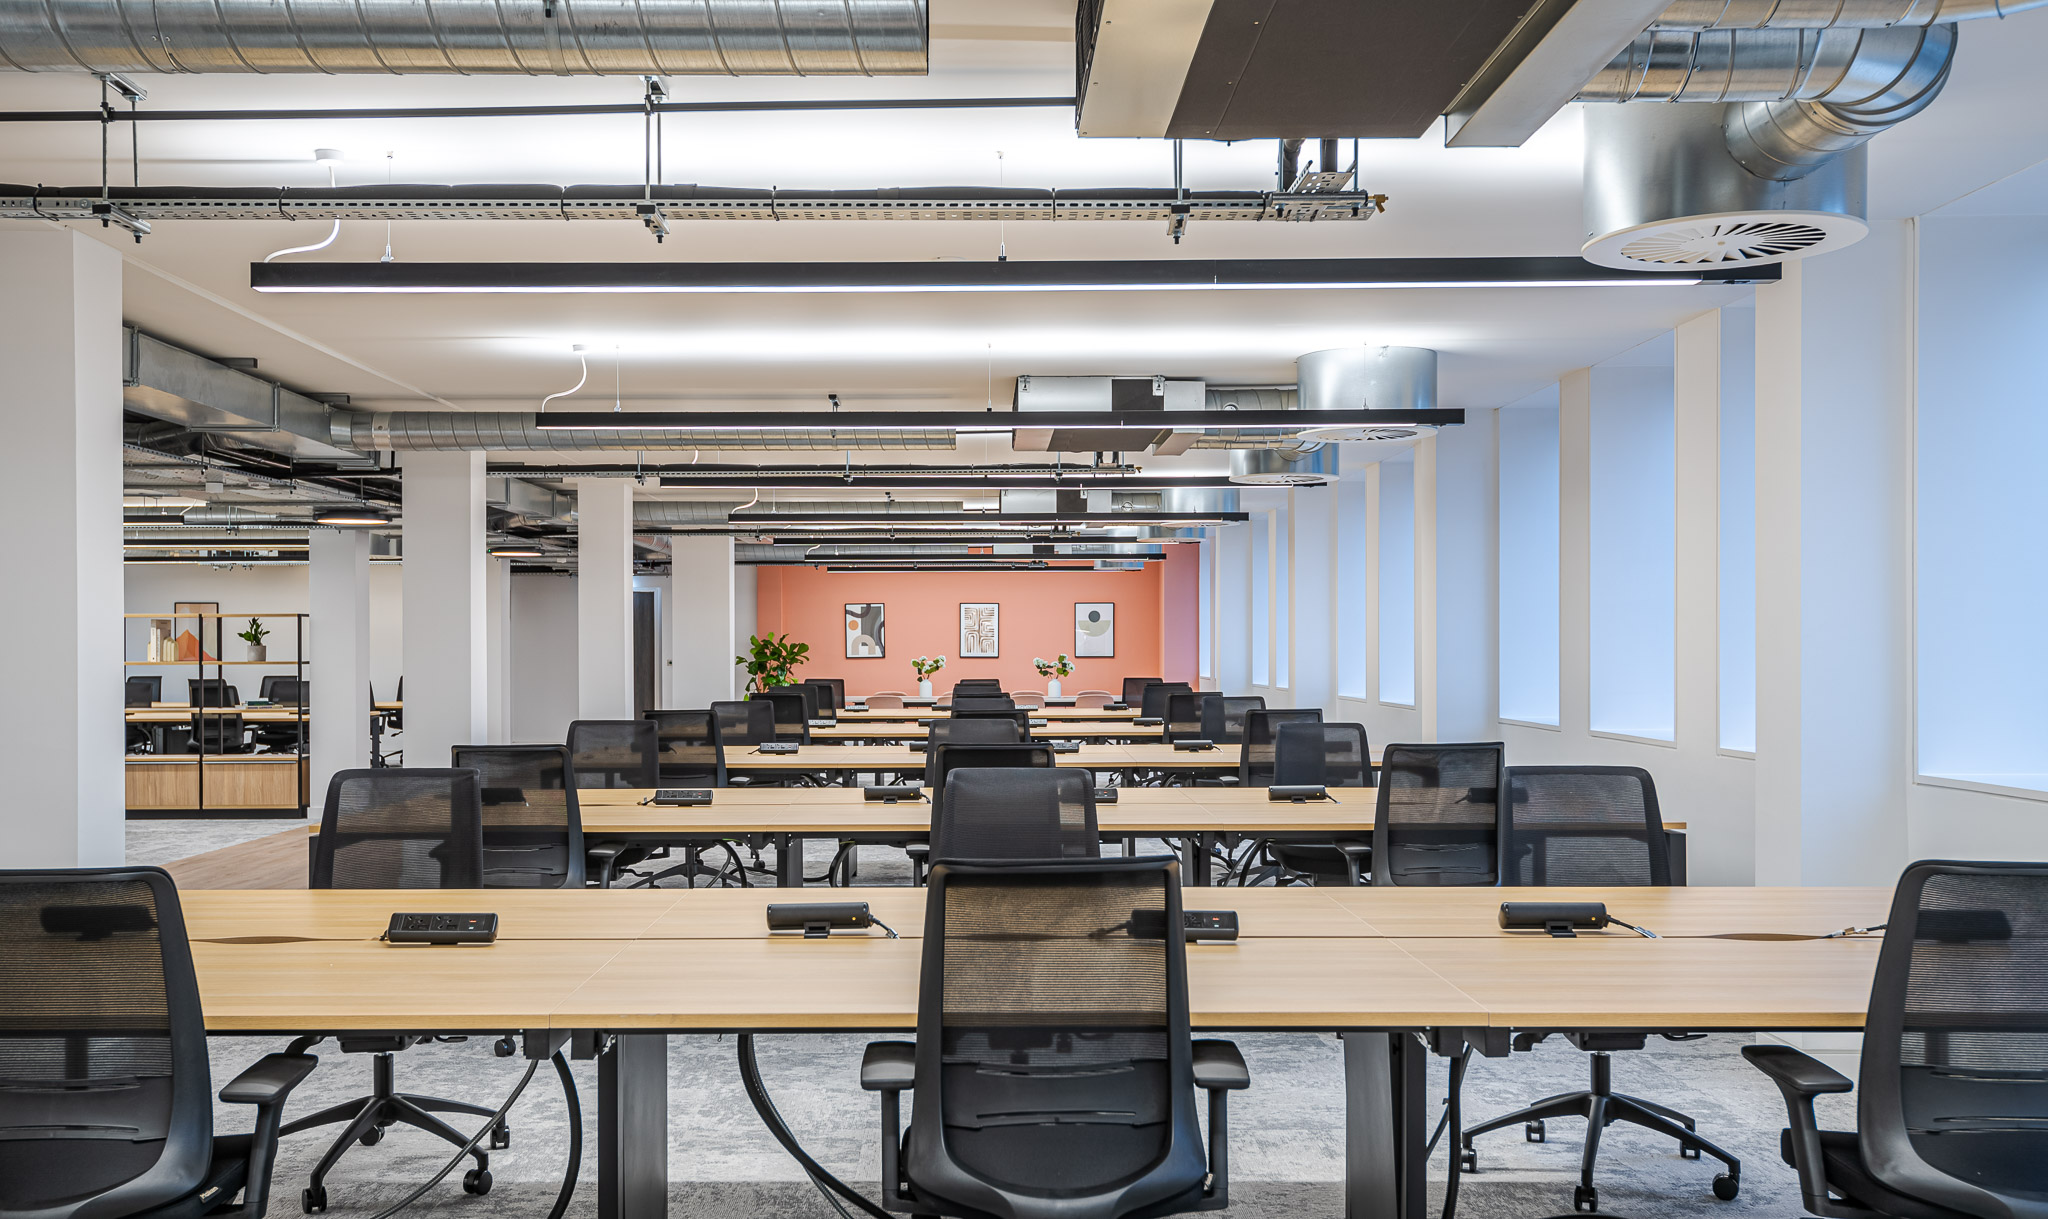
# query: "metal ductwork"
(1769, 165)
(177, 386)
(469, 37)
(469, 431)
(1830, 14)
(699, 512)
(1341, 379)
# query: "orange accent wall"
(923, 619)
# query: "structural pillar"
(338, 668)
(61, 731)
(446, 672)
(604, 599)
(498, 649)
(703, 620)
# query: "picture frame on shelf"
(980, 630)
(1095, 628)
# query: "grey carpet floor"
(1286, 1139)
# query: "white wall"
(544, 686)
(153, 587)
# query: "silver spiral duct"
(739, 512)
(1808, 95)
(468, 431)
(1830, 14)
(469, 37)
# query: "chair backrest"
(974, 730)
(1134, 689)
(792, 712)
(400, 828)
(1183, 716)
(532, 826)
(107, 1108)
(1020, 717)
(614, 753)
(945, 759)
(741, 725)
(836, 687)
(1261, 730)
(1015, 813)
(885, 702)
(280, 688)
(1053, 1056)
(977, 685)
(1153, 702)
(1952, 1103)
(1332, 755)
(142, 691)
(211, 692)
(979, 702)
(1027, 698)
(1439, 818)
(1223, 716)
(219, 732)
(1583, 825)
(686, 751)
(1091, 700)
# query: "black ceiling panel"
(1270, 69)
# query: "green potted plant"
(253, 635)
(926, 666)
(769, 661)
(1052, 670)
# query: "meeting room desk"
(917, 730)
(1198, 816)
(612, 974)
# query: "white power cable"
(582, 361)
(308, 249)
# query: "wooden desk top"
(848, 730)
(1679, 912)
(1041, 713)
(896, 757)
(183, 715)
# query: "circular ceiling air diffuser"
(1283, 467)
(1725, 239)
(1334, 435)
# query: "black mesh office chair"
(1053, 1062)
(792, 711)
(831, 695)
(286, 692)
(687, 749)
(211, 692)
(393, 828)
(105, 1110)
(1152, 705)
(1261, 730)
(1021, 717)
(977, 687)
(614, 753)
(1223, 716)
(974, 731)
(1592, 825)
(946, 759)
(1439, 820)
(1184, 717)
(1015, 813)
(1134, 689)
(218, 732)
(1952, 1091)
(533, 828)
(738, 727)
(142, 691)
(980, 702)
(278, 688)
(1327, 755)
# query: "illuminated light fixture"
(350, 516)
(1134, 275)
(516, 552)
(1146, 423)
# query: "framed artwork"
(864, 640)
(198, 638)
(979, 636)
(1094, 628)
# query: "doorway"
(646, 658)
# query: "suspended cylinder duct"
(740, 512)
(1830, 14)
(469, 431)
(1343, 379)
(469, 37)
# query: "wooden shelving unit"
(202, 784)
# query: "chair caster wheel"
(501, 1136)
(1726, 1186)
(313, 1199)
(476, 1181)
(1533, 1131)
(1468, 1160)
(371, 1137)
(1585, 1199)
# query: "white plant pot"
(924, 688)
(258, 653)
(1052, 688)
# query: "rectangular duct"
(1071, 394)
(176, 386)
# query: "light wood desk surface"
(1136, 756)
(1679, 912)
(183, 715)
(906, 730)
(1037, 713)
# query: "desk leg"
(1385, 1127)
(632, 1128)
(1194, 859)
(1677, 841)
(789, 861)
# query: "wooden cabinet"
(260, 783)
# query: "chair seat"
(1342, 862)
(225, 1176)
(1842, 1162)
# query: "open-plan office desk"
(844, 761)
(863, 715)
(1065, 730)
(612, 974)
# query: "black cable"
(468, 1147)
(750, 1076)
(575, 1168)
(1454, 1120)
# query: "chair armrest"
(1219, 1065)
(266, 1084)
(1800, 1079)
(889, 1066)
(1353, 847)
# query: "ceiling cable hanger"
(321, 156)
(103, 209)
(650, 214)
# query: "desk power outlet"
(442, 929)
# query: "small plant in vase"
(1052, 670)
(253, 635)
(926, 666)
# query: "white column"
(60, 392)
(1371, 525)
(338, 597)
(1425, 589)
(1466, 642)
(498, 649)
(703, 620)
(1311, 647)
(445, 672)
(1575, 552)
(604, 598)
(1834, 372)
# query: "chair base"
(367, 1116)
(1600, 1107)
